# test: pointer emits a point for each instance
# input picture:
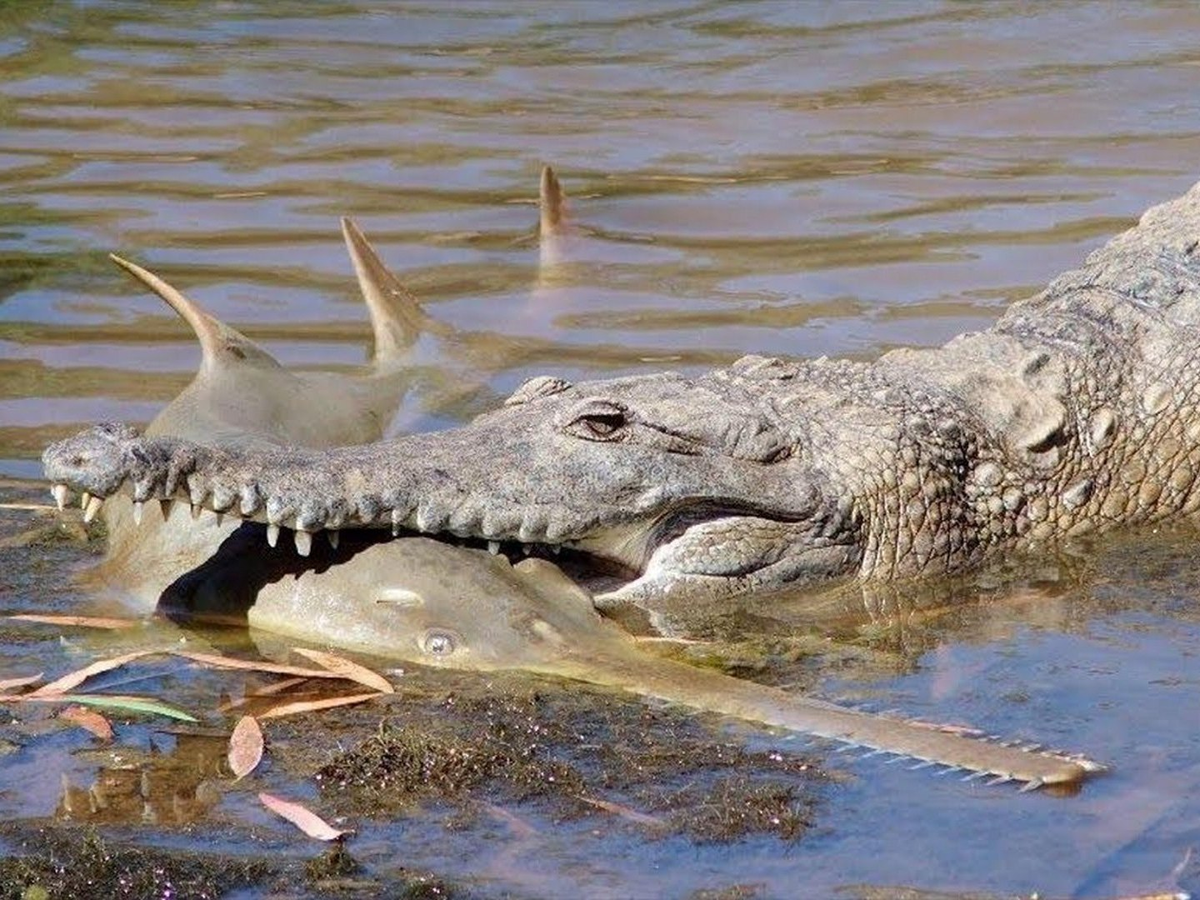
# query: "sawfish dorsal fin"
(221, 345)
(552, 205)
(397, 319)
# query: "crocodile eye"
(439, 643)
(598, 421)
(603, 425)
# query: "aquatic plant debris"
(335, 668)
(302, 817)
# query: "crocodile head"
(670, 483)
(652, 484)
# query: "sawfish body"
(463, 608)
(417, 599)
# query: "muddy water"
(795, 179)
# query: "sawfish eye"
(437, 642)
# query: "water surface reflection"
(794, 179)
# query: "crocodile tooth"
(555, 548)
(526, 549)
(84, 499)
(335, 537)
(196, 507)
(248, 503)
(166, 505)
(425, 518)
(61, 494)
(272, 534)
(397, 519)
(143, 489)
(93, 507)
(494, 548)
(303, 542)
(138, 507)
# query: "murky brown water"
(785, 178)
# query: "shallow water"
(795, 179)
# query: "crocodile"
(413, 598)
(1073, 413)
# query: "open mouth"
(596, 572)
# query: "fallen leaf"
(88, 719)
(279, 687)
(228, 704)
(76, 678)
(232, 662)
(77, 621)
(9, 683)
(301, 706)
(126, 703)
(245, 747)
(347, 669)
(302, 817)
